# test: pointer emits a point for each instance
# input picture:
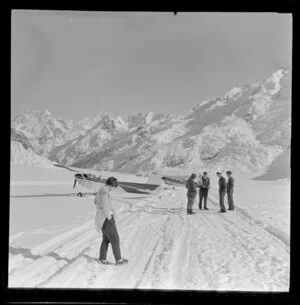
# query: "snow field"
(166, 248)
(247, 249)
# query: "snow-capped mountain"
(19, 136)
(21, 156)
(45, 132)
(247, 129)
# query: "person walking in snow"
(191, 193)
(230, 186)
(105, 222)
(203, 192)
(222, 192)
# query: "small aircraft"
(93, 182)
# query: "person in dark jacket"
(203, 192)
(222, 192)
(230, 187)
(191, 193)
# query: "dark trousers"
(110, 235)
(230, 199)
(203, 193)
(191, 201)
(221, 197)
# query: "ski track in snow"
(166, 248)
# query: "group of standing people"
(106, 214)
(203, 184)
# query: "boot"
(104, 262)
(122, 261)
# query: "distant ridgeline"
(248, 128)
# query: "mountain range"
(246, 129)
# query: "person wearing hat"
(230, 186)
(191, 193)
(203, 192)
(222, 191)
(105, 222)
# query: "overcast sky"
(76, 64)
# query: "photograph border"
(141, 296)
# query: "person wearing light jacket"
(105, 222)
(203, 192)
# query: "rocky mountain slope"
(45, 132)
(20, 155)
(246, 129)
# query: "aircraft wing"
(79, 170)
(141, 188)
(174, 181)
(65, 167)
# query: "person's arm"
(223, 184)
(114, 211)
(193, 186)
(96, 199)
(230, 183)
(199, 181)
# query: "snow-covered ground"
(53, 242)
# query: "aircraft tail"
(154, 178)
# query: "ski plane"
(93, 182)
